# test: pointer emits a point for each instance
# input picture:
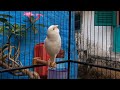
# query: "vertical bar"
(94, 38)
(2, 47)
(69, 45)
(15, 38)
(91, 43)
(97, 48)
(20, 37)
(25, 40)
(61, 25)
(33, 33)
(83, 33)
(28, 39)
(115, 49)
(73, 34)
(110, 49)
(9, 36)
(103, 46)
(106, 50)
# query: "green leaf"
(40, 25)
(3, 20)
(1, 29)
(7, 27)
(32, 19)
(17, 30)
(35, 29)
(13, 31)
(6, 16)
(9, 24)
(20, 33)
(16, 26)
(5, 32)
(23, 26)
(23, 29)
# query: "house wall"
(96, 39)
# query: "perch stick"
(37, 60)
(32, 75)
(14, 62)
(10, 51)
(4, 65)
(3, 58)
(10, 55)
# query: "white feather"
(53, 42)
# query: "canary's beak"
(56, 26)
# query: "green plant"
(33, 20)
(10, 29)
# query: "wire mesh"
(89, 48)
(98, 44)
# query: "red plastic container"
(39, 51)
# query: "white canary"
(52, 44)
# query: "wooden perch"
(14, 62)
(37, 60)
(32, 75)
(2, 58)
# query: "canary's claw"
(52, 64)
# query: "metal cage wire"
(89, 40)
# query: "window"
(116, 35)
(105, 18)
(77, 21)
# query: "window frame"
(78, 21)
(96, 18)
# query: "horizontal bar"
(104, 58)
(84, 63)
(25, 67)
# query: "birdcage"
(89, 44)
(22, 36)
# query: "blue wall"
(27, 44)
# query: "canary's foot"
(52, 64)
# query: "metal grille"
(96, 44)
(88, 50)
